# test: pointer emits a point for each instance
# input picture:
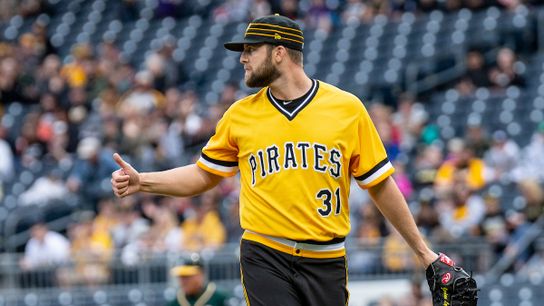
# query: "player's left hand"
(450, 284)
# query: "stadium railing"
(366, 261)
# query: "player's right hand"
(126, 180)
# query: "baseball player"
(296, 143)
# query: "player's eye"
(250, 49)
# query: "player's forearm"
(393, 206)
(178, 182)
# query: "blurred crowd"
(325, 15)
(76, 111)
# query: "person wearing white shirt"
(45, 248)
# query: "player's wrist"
(428, 258)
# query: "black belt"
(332, 241)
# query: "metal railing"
(366, 261)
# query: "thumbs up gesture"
(126, 180)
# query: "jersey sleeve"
(220, 155)
(369, 164)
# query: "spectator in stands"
(356, 11)
(194, 289)
(164, 234)
(231, 10)
(169, 237)
(193, 123)
(7, 10)
(143, 98)
(476, 74)
(122, 77)
(368, 233)
(204, 230)
(388, 134)
(403, 179)
(11, 89)
(139, 251)
(503, 155)
(426, 165)
(427, 218)
(506, 71)
(397, 255)
(27, 146)
(463, 211)
(289, 8)
(430, 134)
(174, 73)
(48, 69)
(29, 55)
(43, 43)
(29, 8)
(531, 161)
(410, 118)
(388, 131)
(517, 227)
(319, 16)
(91, 252)
(74, 72)
(155, 64)
(45, 189)
(493, 226)
(107, 216)
(232, 220)
(131, 225)
(461, 163)
(45, 248)
(259, 8)
(91, 170)
(231, 93)
(379, 7)
(533, 193)
(476, 138)
(7, 164)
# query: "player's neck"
(291, 85)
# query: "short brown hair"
(295, 55)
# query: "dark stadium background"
(455, 87)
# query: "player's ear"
(279, 53)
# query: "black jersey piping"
(373, 170)
(291, 115)
(219, 162)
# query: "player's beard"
(265, 74)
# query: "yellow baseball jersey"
(295, 165)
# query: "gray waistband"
(302, 245)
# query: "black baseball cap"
(189, 266)
(272, 29)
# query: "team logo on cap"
(277, 36)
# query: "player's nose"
(243, 58)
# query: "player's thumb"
(121, 162)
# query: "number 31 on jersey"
(331, 201)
